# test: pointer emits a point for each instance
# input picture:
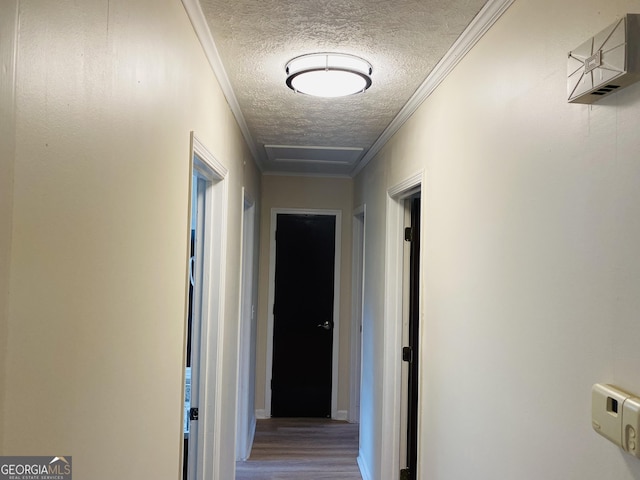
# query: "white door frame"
(246, 419)
(206, 166)
(336, 302)
(357, 299)
(198, 281)
(392, 337)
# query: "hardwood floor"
(302, 449)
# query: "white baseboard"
(252, 436)
(342, 415)
(261, 414)
(244, 448)
(364, 471)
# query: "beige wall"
(310, 193)
(530, 256)
(8, 21)
(107, 94)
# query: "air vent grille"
(605, 63)
(605, 90)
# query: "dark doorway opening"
(411, 352)
(303, 315)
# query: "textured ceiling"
(294, 133)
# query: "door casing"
(214, 173)
(393, 317)
(357, 303)
(246, 420)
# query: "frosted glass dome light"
(328, 74)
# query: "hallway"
(529, 272)
(302, 449)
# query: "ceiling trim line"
(307, 174)
(481, 23)
(201, 27)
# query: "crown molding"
(482, 22)
(201, 27)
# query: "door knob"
(326, 325)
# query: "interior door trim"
(357, 307)
(336, 302)
(391, 377)
(215, 174)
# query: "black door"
(303, 316)
(414, 328)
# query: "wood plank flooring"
(302, 449)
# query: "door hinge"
(407, 354)
(405, 474)
(193, 413)
(408, 234)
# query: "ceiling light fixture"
(328, 74)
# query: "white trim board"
(391, 370)
(336, 302)
(306, 174)
(216, 169)
(214, 265)
(201, 27)
(364, 470)
(482, 22)
(358, 276)
(261, 414)
(246, 420)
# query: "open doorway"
(410, 341)
(194, 326)
(205, 275)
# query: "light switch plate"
(606, 411)
(631, 426)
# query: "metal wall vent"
(605, 90)
(605, 63)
